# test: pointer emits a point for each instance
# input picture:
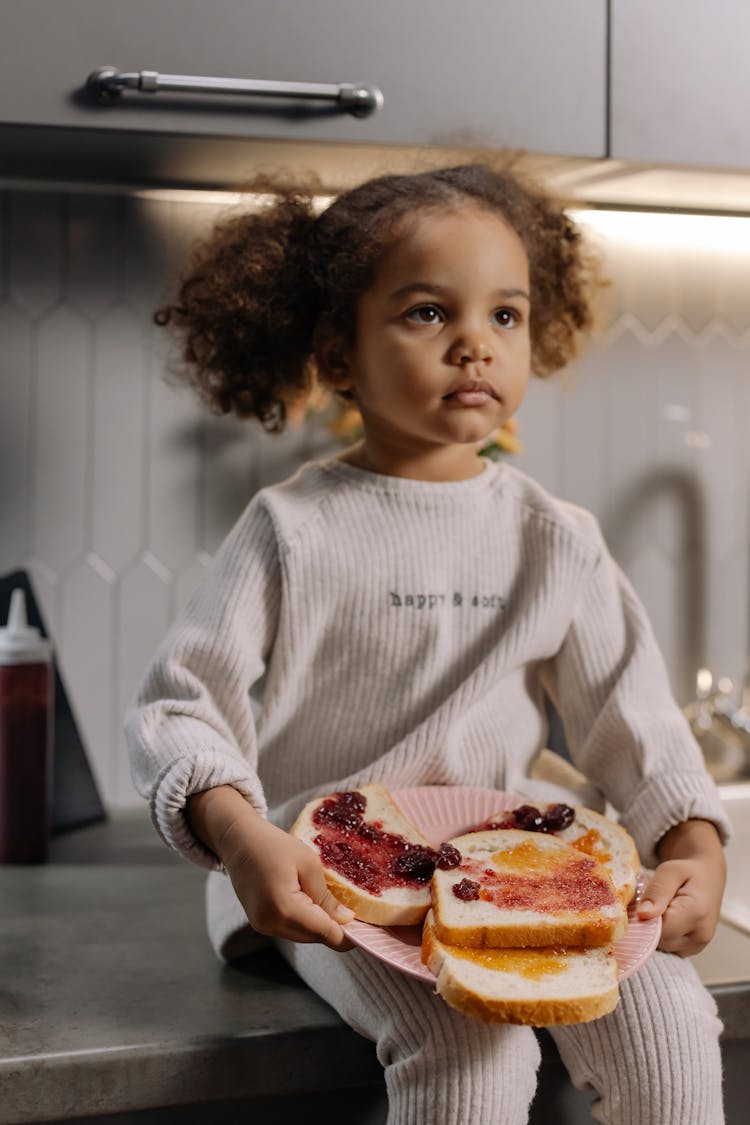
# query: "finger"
(676, 946)
(675, 927)
(340, 913)
(290, 910)
(681, 944)
(311, 923)
(684, 930)
(329, 916)
(659, 892)
(309, 912)
(312, 881)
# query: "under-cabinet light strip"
(725, 233)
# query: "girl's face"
(442, 353)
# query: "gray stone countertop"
(111, 998)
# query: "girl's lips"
(474, 393)
(470, 398)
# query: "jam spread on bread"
(527, 878)
(591, 843)
(363, 852)
(556, 818)
(448, 857)
(533, 964)
(467, 890)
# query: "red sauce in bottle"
(25, 762)
(25, 738)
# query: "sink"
(726, 960)
(736, 905)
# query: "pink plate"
(440, 812)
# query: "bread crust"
(377, 911)
(587, 935)
(535, 1009)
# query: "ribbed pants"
(655, 1060)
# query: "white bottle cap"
(21, 643)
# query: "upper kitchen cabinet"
(472, 74)
(680, 89)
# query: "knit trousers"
(655, 1060)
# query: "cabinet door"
(681, 81)
(468, 73)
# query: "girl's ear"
(331, 358)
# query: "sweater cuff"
(179, 781)
(669, 799)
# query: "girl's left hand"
(686, 888)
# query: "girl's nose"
(469, 351)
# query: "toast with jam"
(522, 926)
(586, 830)
(375, 861)
(535, 986)
(519, 913)
(506, 888)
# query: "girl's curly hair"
(254, 292)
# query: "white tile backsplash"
(61, 437)
(116, 486)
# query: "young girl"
(402, 612)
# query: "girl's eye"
(506, 318)
(424, 314)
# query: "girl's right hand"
(278, 879)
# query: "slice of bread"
(597, 836)
(539, 987)
(375, 860)
(514, 889)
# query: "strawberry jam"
(448, 857)
(363, 852)
(574, 884)
(466, 890)
(556, 818)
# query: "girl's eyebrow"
(419, 287)
(512, 293)
(442, 290)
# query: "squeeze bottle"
(26, 713)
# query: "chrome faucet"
(721, 727)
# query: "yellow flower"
(504, 440)
(346, 424)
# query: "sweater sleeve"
(191, 726)
(623, 726)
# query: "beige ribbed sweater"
(405, 632)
